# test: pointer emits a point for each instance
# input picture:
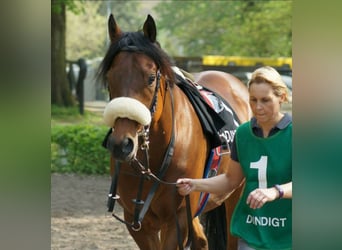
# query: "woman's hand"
(185, 186)
(258, 197)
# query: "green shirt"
(265, 162)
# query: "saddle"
(218, 120)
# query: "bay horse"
(157, 137)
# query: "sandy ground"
(79, 217)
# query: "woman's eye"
(151, 79)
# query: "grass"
(71, 115)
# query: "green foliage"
(71, 5)
(232, 28)
(86, 34)
(59, 111)
(125, 11)
(76, 141)
(187, 28)
(267, 30)
(78, 149)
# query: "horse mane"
(137, 42)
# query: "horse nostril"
(127, 146)
(120, 149)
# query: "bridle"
(143, 169)
(141, 206)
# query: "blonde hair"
(270, 76)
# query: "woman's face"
(264, 104)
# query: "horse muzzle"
(124, 149)
(126, 115)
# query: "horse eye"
(151, 79)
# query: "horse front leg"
(170, 236)
(147, 238)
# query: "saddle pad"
(219, 123)
(217, 118)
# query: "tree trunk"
(60, 90)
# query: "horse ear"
(150, 30)
(113, 29)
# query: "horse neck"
(187, 131)
(178, 111)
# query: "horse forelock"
(137, 42)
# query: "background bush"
(78, 149)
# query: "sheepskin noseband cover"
(125, 107)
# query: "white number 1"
(261, 165)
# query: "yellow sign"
(246, 61)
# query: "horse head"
(134, 69)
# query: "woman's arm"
(219, 184)
(258, 197)
(287, 190)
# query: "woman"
(262, 157)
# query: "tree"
(241, 28)
(82, 36)
(266, 30)
(60, 91)
(86, 35)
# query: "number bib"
(265, 162)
